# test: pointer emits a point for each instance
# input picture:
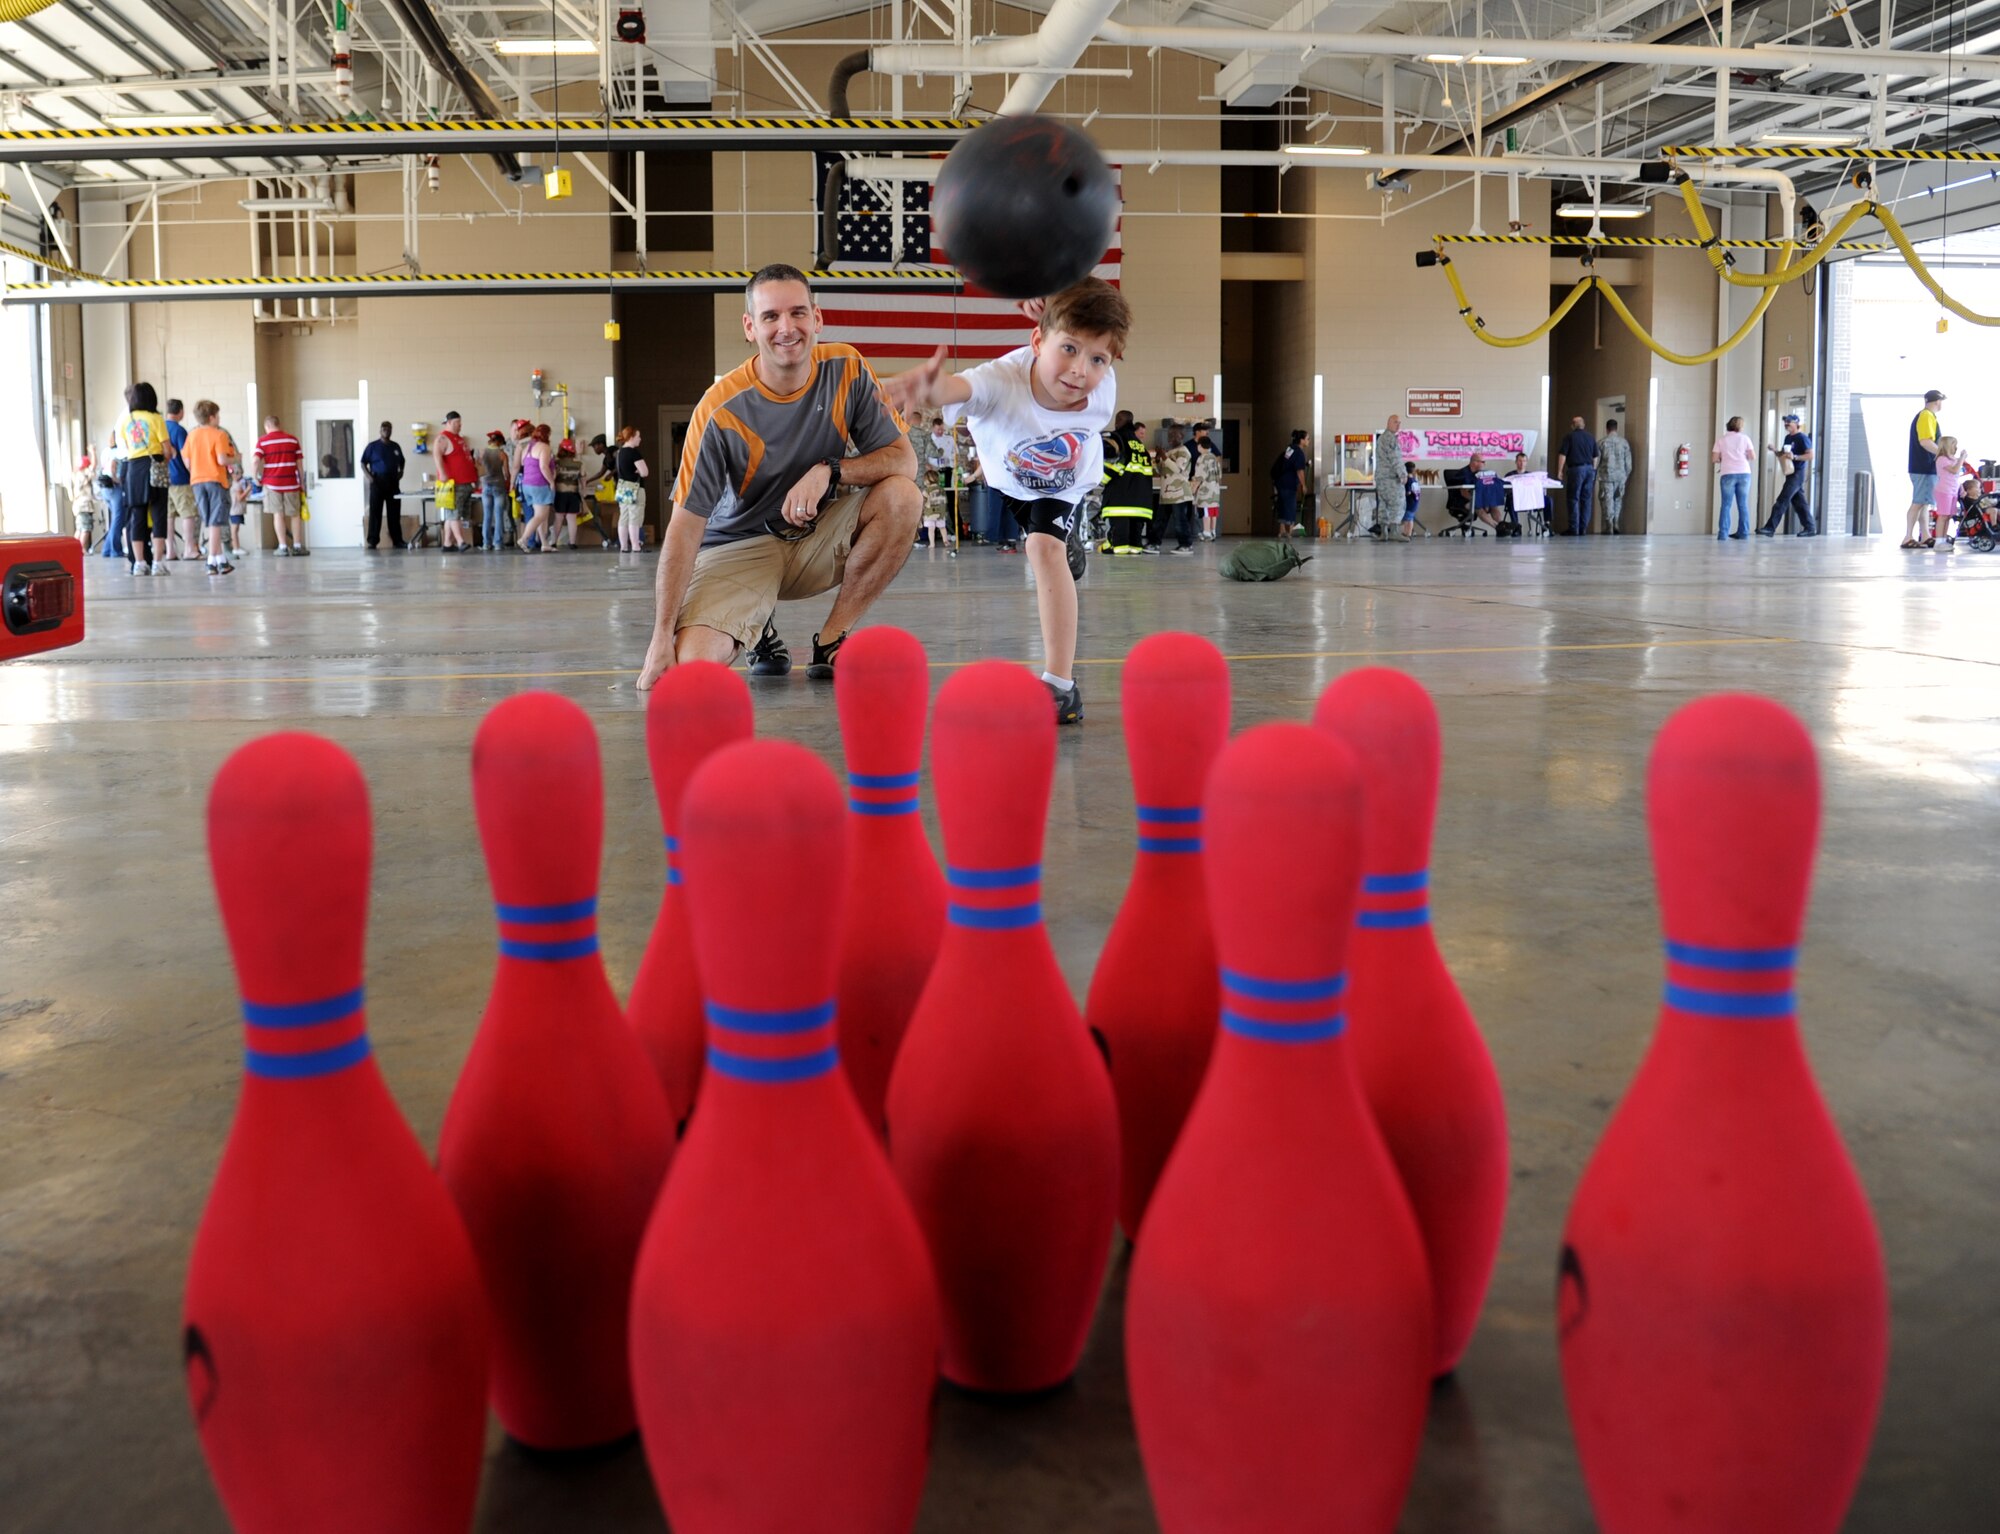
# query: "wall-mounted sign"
(1452, 444)
(1785, 364)
(1434, 402)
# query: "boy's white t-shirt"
(1025, 451)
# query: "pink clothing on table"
(1736, 453)
(1948, 473)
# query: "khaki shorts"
(180, 501)
(282, 503)
(737, 586)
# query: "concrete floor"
(1552, 663)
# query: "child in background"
(934, 506)
(1950, 468)
(83, 507)
(1412, 493)
(1036, 415)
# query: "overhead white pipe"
(1029, 49)
(1059, 42)
(1517, 164)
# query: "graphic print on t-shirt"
(1047, 465)
(138, 436)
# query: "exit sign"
(1785, 364)
(1434, 402)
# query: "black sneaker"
(1069, 705)
(769, 657)
(821, 669)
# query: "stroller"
(1978, 516)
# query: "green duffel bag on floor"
(1270, 559)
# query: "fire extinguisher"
(1681, 460)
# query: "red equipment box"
(41, 594)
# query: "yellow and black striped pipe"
(1634, 241)
(1826, 152)
(465, 135)
(125, 290)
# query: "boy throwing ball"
(1035, 415)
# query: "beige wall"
(1682, 319)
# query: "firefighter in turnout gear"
(1128, 486)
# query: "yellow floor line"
(347, 678)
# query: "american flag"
(873, 230)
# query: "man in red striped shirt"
(277, 454)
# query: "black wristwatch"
(832, 466)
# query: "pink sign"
(1454, 444)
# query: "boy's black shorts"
(1045, 515)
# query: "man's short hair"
(453, 415)
(1092, 307)
(206, 410)
(1611, 426)
(175, 407)
(270, 421)
(777, 271)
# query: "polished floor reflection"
(1552, 664)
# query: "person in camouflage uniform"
(1177, 491)
(934, 507)
(1207, 485)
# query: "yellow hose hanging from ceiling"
(1478, 326)
(21, 10)
(1720, 259)
(1923, 273)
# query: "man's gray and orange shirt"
(747, 445)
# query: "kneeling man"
(768, 506)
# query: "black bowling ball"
(1025, 206)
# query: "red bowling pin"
(784, 1322)
(895, 894)
(697, 708)
(335, 1333)
(1722, 1309)
(1424, 1067)
(1278, 1324)
(557, 1135)
(1154, 994)
(1002, 1127)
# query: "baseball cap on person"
(496, 436)
(567, 445)
(451, 415)
(1933, 394)
(1792, 415)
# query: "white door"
(331, 449)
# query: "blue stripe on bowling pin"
(305, 1014)
(771, 1024)
(1156, 833)
(1394, 884)
(1715, 1001)
(996, 918)
(1327, 1021)
(548, 952)
(904, 804)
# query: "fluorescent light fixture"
(287, 204)
(1778, 136)
(1498, 58)
(1444, 58)
(543, 47)
(159, 120)
(1609, 210)
(1324, 149)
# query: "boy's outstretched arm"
(927, 385)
